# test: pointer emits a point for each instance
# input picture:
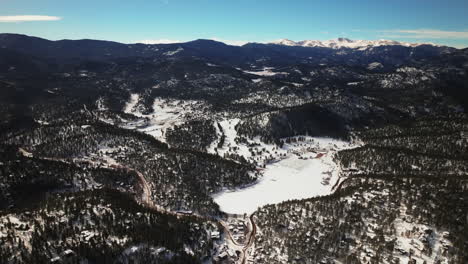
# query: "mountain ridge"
(346, 43)
(337, 43)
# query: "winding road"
(146, 200)
(250, 240)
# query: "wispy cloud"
(423, 34)
(27, 18)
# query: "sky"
(239, 21)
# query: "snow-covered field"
(291, 178)
(266, 71)
(302, 168)
(166, 114)
(129, 107)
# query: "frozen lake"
(290, 178)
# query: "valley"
(202, 152)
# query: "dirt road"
(250, 241)
(146, 200)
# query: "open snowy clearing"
(130, 106)
(166, 114)
(266, 71)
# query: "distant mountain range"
(280, 53)
(346, 43)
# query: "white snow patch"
(296, 84)
(266, 71)
(229, 131)
(100, 104)
(374, 65)
(129, 107)
(42, 122)
(166, 114)
(173, 52)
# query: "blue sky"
(238, 21)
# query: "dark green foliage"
(196, 135)
(99, 226)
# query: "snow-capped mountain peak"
(285, 42)
(344, 43)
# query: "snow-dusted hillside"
(165, 115)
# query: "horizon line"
(238, 43)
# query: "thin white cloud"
(424, 34)
(158, 41)
(27, 18)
